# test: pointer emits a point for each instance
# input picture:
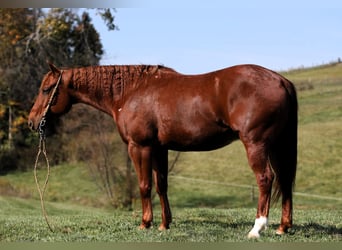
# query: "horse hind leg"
(258, 161)
(278, 161)
(284, 167)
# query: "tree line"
(29, 38)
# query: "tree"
(30, 37)
(15, 26)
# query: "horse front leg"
(160, 174)
(142, 160)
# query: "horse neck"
(90, 86)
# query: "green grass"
(20, 220)
(211, 193)
(67, 183)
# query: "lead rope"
(42, 149)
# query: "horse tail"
(283, 154)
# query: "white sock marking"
(260, 224)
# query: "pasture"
(212, 194)
(21, 221)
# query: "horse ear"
(54, 69)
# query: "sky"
(196, 40)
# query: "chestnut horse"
(156, 109)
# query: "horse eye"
(46, 90)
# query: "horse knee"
(145, 190)
(265, 180)
(261, 168)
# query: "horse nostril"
(30, 124)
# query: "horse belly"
(194, 123)
(204, 140)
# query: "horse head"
(53, 98)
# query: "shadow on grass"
(234, 224)
(306, 232)
(309, 229)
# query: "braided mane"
(113, 80)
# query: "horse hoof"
(280, 232)
(253, 235)
(144, 226)
(283, 229)
(163, 227)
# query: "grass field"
(20, 220)
(212, 194)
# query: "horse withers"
(156, 109)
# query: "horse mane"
(115, 80)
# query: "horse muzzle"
(31, 125)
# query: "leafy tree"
(15, 26)
(29, 38)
